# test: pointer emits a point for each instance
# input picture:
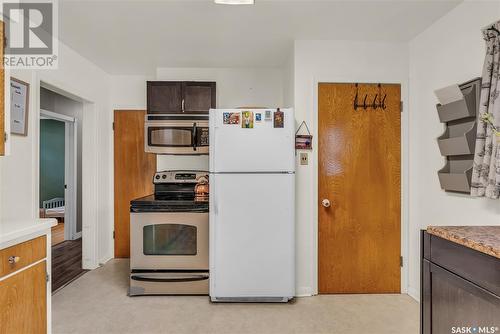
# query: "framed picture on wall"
(303, 142)
(19, 107)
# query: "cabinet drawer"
(21, 255)
(477, 267)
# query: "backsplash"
(176, 162)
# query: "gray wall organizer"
(458, 141)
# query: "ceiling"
(136, 37)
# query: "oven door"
(176, 136)
(168, 241)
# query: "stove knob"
(157, 177)
(164, 176)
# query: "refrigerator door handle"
(212, 146)
(216, 200)
(216, 204)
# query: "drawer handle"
(14, 259)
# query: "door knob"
(326, 203)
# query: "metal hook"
(364, 102)
(356, 98)
(383, 106)
(374, 104)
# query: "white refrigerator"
(252, 205)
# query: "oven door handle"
(192, 278)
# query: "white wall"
(128, 92)
(450, 51)
(289, 81)
(236, 87)
(335, 61)
(19, 191)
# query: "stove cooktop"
(155, 203)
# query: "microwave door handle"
(194, 136)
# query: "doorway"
(359, 188)
(58, 175)
(60, 185)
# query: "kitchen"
(243, 79)
(251, 166)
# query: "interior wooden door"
(359, 243)
(23, 297)
(133, 175)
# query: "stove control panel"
(189, 176)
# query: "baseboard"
(104, 260)
(305, 291)
(77, 235)
(414, 293)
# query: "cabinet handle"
(182, 105)
(14, 259)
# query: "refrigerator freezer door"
(252, 237)
(262, 148)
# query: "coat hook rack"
(375, 104)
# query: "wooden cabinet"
(23, 301)
(164, 97)
(460, 288)
(199, 97)
(170, 97)
(24, 287)
(21, 255)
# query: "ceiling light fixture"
(235, 2)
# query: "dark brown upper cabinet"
(172, 97)
(164, 97)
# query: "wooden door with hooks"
(359, 192)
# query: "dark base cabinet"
(460, 289)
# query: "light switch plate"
(304, 159)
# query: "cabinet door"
(23, 300)
(199, 97)
(164, 97)
(456, 302)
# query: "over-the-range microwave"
(176, 134)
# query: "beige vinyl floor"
(97, 302)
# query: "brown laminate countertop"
(485, 239)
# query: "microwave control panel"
(202, 137)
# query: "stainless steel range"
(169, 236)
